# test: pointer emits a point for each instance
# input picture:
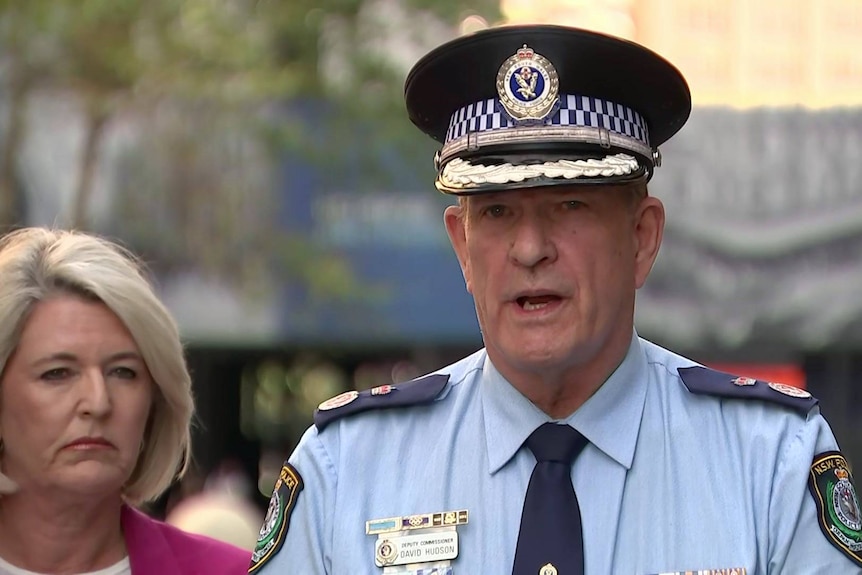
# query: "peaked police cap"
(539, 105)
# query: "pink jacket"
(156, 548)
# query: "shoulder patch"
(275, 523)
(831, 485)
(705, 381)
(416, 392)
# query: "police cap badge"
(539, 105)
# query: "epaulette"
(416, 392)
(702, 380)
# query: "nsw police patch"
(838, 513)
(274, 529)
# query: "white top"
(121, 567)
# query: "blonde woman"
(95, 408)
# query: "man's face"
(553, 271)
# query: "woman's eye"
(56, 374)
(124, 372)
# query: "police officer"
(569, 444)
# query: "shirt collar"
(510, 417)
(610, 419)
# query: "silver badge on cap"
(528, 86)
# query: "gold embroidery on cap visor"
(460, 175)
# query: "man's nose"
(531, 242)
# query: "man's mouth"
(532, 303)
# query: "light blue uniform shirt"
(671, 480)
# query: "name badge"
(426, 547)
(422, 544)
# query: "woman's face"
(74, 400)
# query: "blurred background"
(257, 155)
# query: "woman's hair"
(37, 264)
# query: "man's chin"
(539, 357)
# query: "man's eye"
(495, 211)
(573, 204)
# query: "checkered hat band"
(574, 110)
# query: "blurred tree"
(26, 57)
(210, 87)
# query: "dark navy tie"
(550, 541)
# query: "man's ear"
(454, 218)
(648, 232)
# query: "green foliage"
(209, 85)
